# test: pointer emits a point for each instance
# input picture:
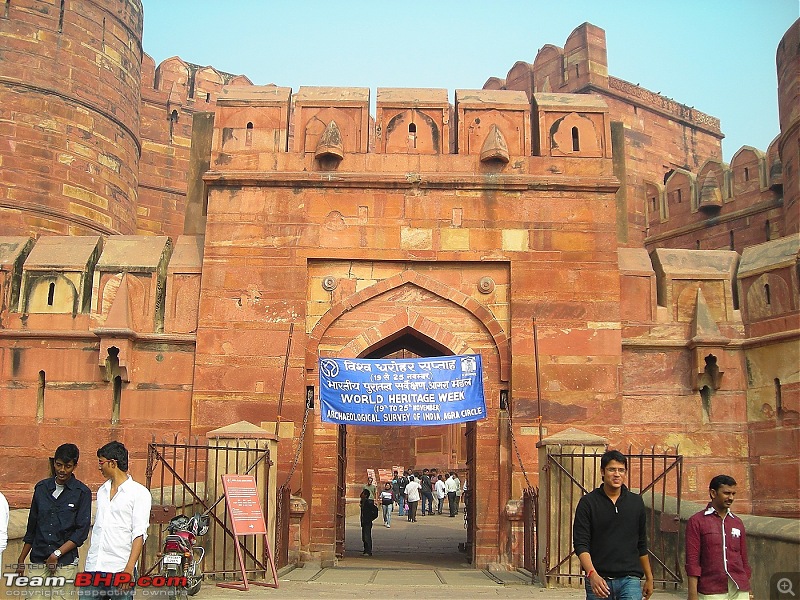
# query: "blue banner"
(423, 391)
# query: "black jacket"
(53, 521)
(614, 535)
(369, 512)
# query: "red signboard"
(244, 507)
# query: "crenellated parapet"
(326, 125)
(718, 206)
(116, 286)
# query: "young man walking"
(120, 527)
(610, 536)
(58, 523)
(716, 548)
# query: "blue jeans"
(427, 499)
(402, 504)
(620, 588)
(387, 513)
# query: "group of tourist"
(405, 491)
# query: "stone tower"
(70, 78)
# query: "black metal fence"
(186, 478)
(654, 475)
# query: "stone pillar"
(559, 495)
(228, 462)
(297, 510)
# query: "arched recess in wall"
(316, 126)
(568, 130)
(654, 202)
(481, 127)
(412, 122)
(748, 170)
(447, 293)
(52, 293)
(767, 296)
(680, 192)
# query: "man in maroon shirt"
(716, 549)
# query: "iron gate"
(657, 477)
(185, 478)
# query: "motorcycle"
(181, 556)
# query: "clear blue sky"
(715, 55)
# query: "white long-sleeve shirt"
(119, 521)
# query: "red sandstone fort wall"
(69, 96)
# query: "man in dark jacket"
(369, 512)
(58, 522)
(610, 536)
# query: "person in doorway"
(413, 494)
(371, 488)
(402, 500)
(441, 493)
(716, 548)
(58, 523)
(387, 501)
(398, 497)
(120, 526)
(450, 488)
(427, 492)
(459, 490)
(369, 512)
(610, 536)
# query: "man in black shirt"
(58, 523)
(610, 536)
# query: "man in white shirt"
(452, 485)
(441, 493)
(413, 494)
(120, 526)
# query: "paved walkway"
(410, 560)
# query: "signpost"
(428, 391)
(247, 518)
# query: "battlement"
(327, 124)
(741, 200)
(581, 66)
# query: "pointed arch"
(475, 308)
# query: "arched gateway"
(411, 314)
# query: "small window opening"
(576, 143)
(51, 293)
(767, 294)
(767, 231)
(208, 96)
(679, 195)
(248, 138)
(412, 134)
(577, 71)
(40, 397)
(115, 403)
(5, 10)
(104, 31)
(653, 203)
(730, 236)
(746, 174)
(61, 18)
(778, 398)
(173, 118)
(697, 244)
